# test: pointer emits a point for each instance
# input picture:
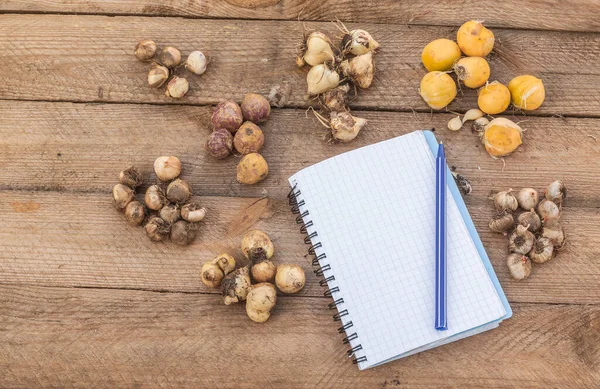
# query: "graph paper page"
(374, 212)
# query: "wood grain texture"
(89, 58)
(79, 240)
(56, 337)
(580, 15)
(82, 147)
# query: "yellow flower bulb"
(440, 54)
(501, 137)
(437, 89)
(475, 40)
(527, 92)
(472, 71)
(493, 98)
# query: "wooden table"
(86, 300)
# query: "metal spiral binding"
(296, 202)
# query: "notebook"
(369, 216)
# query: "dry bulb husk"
(538, 236)
(531, 220)
(542, 251)
(235, 286)
(505, 200)
(519, 266)
(520, 240)
(317, 50)
(360, 69)
(502, 222)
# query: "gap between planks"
(179, 103)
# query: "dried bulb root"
(317, 50)
(169, 56)
(320, 79)
(122, 195)
(235, 286)
(505, 200)
(344, 126)
(169, 213)
(290, 278)
(215, 270)
(263, 271)
(358, 42)
(531, 220)
(220, 143)
(527, 198)
(360, 69)
(157, 229)
(542, 251)
(257, 246)
(252, 169)
(167, 168)
(248, 139)
(521, 240)
(193, 212)
(145, 50)
(548, 211)
(155, 197)
(556, 234)
(227, 115)
(502, 222)
(556, 192)
(260, 301)
(135, 213)
(130, 177)
(255, 108)
(179, 191)
(336, 100)
(519, 266)
(183, 233)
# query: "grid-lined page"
(374, 211)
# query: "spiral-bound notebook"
(369, 216)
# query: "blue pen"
(440, 240)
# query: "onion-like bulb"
(556, 234)
(549, 211)
(437, 89)
(359, 42)
(360, 69)
(440, 54)
(527, 92)
(157, 76)
(472, 71)
(521, 240)
(177, 87)
(493, 98)
(518, 265)
(501, 137)
(542, 250)
(318, 49)
(344, 126)
(531, 220)
(556, 192)
(196, 62)
(474, 39)
(167, 168)
(321, 78)
(505, 201)
(502, 222)
(527, 198)
(145, 50)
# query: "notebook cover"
(433, 145)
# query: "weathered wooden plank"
(88, 58)
(79, 240)
(82, 147)
(56, 337)
(573, 15)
